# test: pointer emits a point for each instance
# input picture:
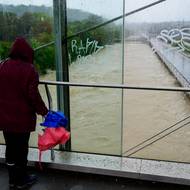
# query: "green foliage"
(104, 35)
(44, 59)
(37, 28)
(4, 49)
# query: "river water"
(96, 113)
(147, 113)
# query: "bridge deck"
(113, 166)
(60, 180)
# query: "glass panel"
(95, 56)
(157, 54)
(96, 120)
(148, 113)
(33, 20)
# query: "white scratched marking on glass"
(82, 49)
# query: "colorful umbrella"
(54, 133)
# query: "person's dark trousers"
(16, 155)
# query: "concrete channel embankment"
(177, 63)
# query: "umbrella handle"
(52, 154)
(48, 97)
(52, 151)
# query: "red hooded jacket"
(19, 96)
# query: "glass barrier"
(156, 125)
(95, 57)
(160, 32)
(33, 20)
(96, 120)
(97, 61)
(157, 54)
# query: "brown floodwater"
(147, 113)
(96, 113)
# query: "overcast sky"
(170, 10)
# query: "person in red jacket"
(20, 101)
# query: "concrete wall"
(177, 63)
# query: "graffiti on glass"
(82, 49)
(179, 38)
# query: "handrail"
(116, 86)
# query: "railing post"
(61, 52)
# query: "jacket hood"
(22, 50)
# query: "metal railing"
(115, 86)
(160, 135)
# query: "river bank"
(177, 63)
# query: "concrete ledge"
(160, 49)
(161, 171)
(170, 172)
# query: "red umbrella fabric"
(52, 137)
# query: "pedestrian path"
(64, 180)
